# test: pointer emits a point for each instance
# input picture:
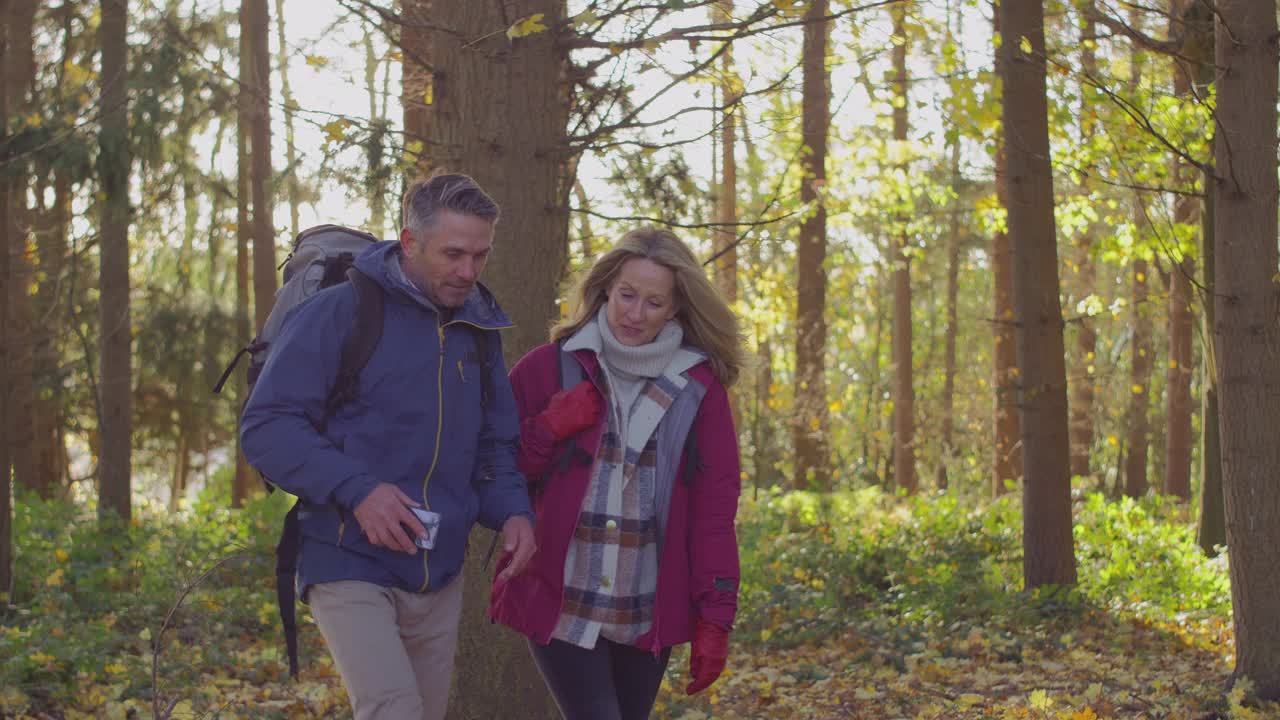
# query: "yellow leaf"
(335, 130)
(1136, 388)
(317, 61)
(1040, 700)
(429, 94)
(114, 668)
(968, 700)
(145, 634)
(1085, 714)
(61, 555)
(1025, 45)
(866, 692)
(527, 26)
(183, 710)
(54, 579)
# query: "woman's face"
(641, 300)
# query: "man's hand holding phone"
(385, 514)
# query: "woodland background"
(1007, 273)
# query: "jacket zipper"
(435, 452)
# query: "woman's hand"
(708, 656)
(572, 411)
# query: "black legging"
(608, 682)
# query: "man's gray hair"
(445, 191)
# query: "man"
(418, 440)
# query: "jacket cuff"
(352, 491)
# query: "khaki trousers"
(394, 649)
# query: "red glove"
(573, 410)
(706, 660)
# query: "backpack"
(324, 256)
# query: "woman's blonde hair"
(708, 323)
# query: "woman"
(628, 443)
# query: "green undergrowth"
(93, 604)
(174, 613)
(810, 562)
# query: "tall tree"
(1248, 302)
(242, 483)
(499, 112)
(115, 421)
(20, 66)
(290, 107)
(264, 249)
(6, 500)
(1086, 336)
(1007, 446)
(1177, 463)
(953, 296)
(904, 394)
(726, 264)
(1048, 551)
(812, 463)
(1137, 424)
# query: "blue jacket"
(416, 422)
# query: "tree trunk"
(904, 395)
(1177, 464)
(1083, 381)
(726, 265)
(953, 325)
(291, 150)
(1137, 423)
(6, 455)
(812, 464)
(21, 69)
(499, 112)
(264, 242)
(1211, 531)
(243, 482)
(47, 411)
(1178, 376)
(1048, 552)
(417, 93)
(1248, 302)
(375, 150)
(115, 421)
(1007, 447)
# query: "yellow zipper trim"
(435, 451)
(435, 456)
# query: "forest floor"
(1077, 668)
(852, 605)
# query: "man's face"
(447, 260)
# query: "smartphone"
(431, 521)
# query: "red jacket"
(698, 567)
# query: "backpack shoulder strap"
(571, 373)
(568, 367)
(366, 333)
(483, 353)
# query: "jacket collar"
(381, 262)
